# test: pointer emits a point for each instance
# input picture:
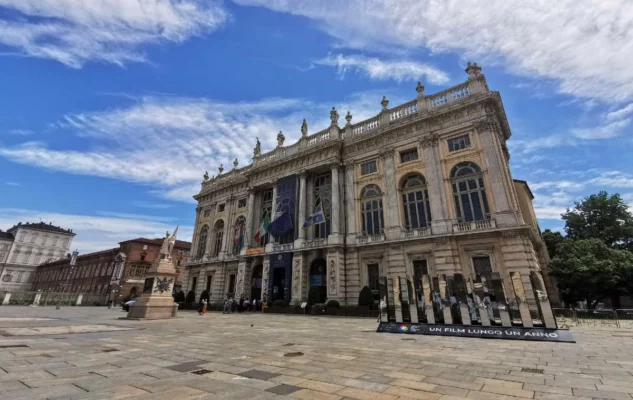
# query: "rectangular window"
(241, 203)
(221, 207)
(207, 212)
(369, 167)
(458, 143)
(373, 275)
(483, 269)
(209, 282)
(409, 155)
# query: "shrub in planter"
(333, 304)
(366, 297)
(280, 303)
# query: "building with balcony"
(423, 188)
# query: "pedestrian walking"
(382, 306)
(228, 305)
(204, 307)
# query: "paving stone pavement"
(82, 353)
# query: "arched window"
(202, 241)
(219, 235)
(371, 210)
(469, 192)
(238, 234)
(415, 202)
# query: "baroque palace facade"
(423, 188)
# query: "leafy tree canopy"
(552, 240)
(603, 217)
(588, 270)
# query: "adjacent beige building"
(27, 245)
(421, 188)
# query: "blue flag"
(280, 225)
(317, 216)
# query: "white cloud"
(615, 179)
(20, 132)
(586, 47)
(169, 142)
(620, 114)
(13, 184)
(95, 233)
(608, 131)
(146, 204)
(384, 69)
(560, 185)
(74, 32)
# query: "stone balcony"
(314, 243)
(486, 224)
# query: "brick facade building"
(91, 274)
(140, 254)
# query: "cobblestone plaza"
(88, 353)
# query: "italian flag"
(263, 229)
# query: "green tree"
(552, 240)
(588, 270)
(603, 217)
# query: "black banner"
(486, 332)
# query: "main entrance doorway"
(318, 282)
(256, 283)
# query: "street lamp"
(73, 261)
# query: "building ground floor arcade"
(340, 272)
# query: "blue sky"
(112, 110)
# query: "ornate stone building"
(32, 244)
(421, 188)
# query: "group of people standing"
(230, 304)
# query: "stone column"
(265, 278)
(227, 240)
(310, 205)
(350, 203)
(335, 234)
(441, 222)
(250, 218)
(503, 212)
(210, 235)
(392, 230)
(302, 211)
(242, 280)
(271, 240)
(194, 239)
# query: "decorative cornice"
(429, 140)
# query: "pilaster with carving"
(250, 218)
(435, 179)
(350, 202)
(504, 215)
(265, 278)
(391, 189)
(302, 208)
(335, 235)
(297, 276)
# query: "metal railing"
(621, 318)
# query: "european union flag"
(280, 225)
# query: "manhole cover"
(532, 370)
(289, 344)
(295, 354)
(13, 346)
(108, 350)
(201, 372)
(408, 339)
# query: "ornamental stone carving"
(257, 151)
(420, 89)
(304, 129)
(296, 273)
(332, 276)
(235, 163)
(473, 70)
(221, 168)
(205, 176)
(334, 117)
(384, 103)
(429, 140)
(280, 139)
(348, 118)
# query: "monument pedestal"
(157, 302)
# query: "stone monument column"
(441, 222)
(250, 219)
(156, 302)
(302, 210)
(208, 248)
(350, 202)
(194, 239)
(391, 208)
(335, 235)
